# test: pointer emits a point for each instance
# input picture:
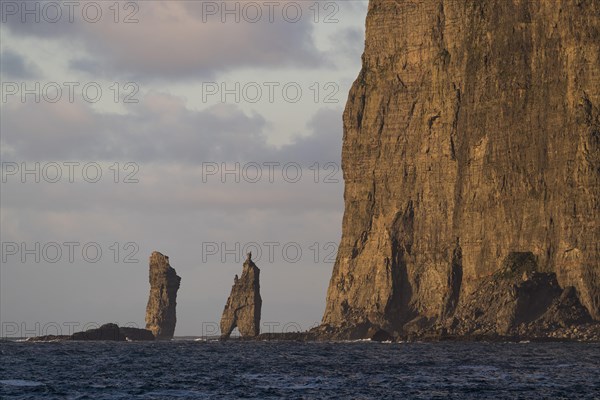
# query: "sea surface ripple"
(183, 369)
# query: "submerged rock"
(162, 302)
(243, 306)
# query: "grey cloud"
(14, 66)
(159, 129)
(323, 145)
(349, 44)
(170, 191)
(63, 131)
(186, 46)
(87, 65)
(356, 6)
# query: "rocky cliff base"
(515, 303)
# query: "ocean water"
(269, 370)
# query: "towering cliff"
(471, 158)
(160, 311)
(243, 306)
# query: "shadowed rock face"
(517, 300)
(160, 311)
(471, 140)
(114, 332)
(244, 303)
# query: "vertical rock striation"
(471, 137)
(164, 283)
(242, 309)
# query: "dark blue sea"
(271, 370)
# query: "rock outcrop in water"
(243, 306)
(110, 332)
(471, 159)
(161, 308)
(114, 332)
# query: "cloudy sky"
(198, 129)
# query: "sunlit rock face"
(243, 306)
(162, 302)
(472, 135)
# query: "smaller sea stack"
(244, 303)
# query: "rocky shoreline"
(588, 333)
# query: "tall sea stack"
(164, 283)
(243, 306)
(471, 158)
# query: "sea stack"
(242, 309)
(471, 160)
(164, 283)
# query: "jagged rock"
(503, 302)
(471, 138)
(516, 301)
(161, 309)
(566, 311)
(243, 306)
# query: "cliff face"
(160, 311)
(471, 137)
(243, 306)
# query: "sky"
(199, 129)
